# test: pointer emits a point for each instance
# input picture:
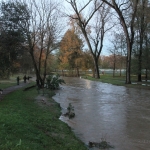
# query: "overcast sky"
(68, 10)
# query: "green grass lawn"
(5, 83)
(120, 80)
(25, 125)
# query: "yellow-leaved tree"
(71, 52)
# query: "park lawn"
(25, 125)
(5, 83)
(120, 81)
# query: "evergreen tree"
(12, 36)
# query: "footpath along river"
(118, 114)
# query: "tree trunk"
(129, 37)
(120, 72)
(93, 71)
(140, 66)
(38, 77)
(97, 72)
(77, 69)
(45, 68)
(114, 67)
(141, 32)
(128, 64)
(96, 68)
(114, 71)
(146, 74)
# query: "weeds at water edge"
(103, 144)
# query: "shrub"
(54, 81)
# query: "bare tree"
(98, 32)
(42, 30)
(118, 50)
(113, 50)
(83, 20)
(146, 55)
(142, 26)
(123, 7)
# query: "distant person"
(24, 78)
(28, 78)
(18, 80)
(1, 91)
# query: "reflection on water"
(120, 115)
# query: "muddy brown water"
(117, 114)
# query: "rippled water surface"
(118, 114)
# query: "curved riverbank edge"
(120, 81)
(31, 121)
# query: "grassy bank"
(5, 83)
(120, 81)
(25, 125)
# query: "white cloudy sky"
(68, 10)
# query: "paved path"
(11, 89)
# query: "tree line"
(29, 33)
(31, 36)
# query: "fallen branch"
(27, 88)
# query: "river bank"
(120, 81)
(29, 121)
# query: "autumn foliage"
(71, 51)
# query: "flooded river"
(117, 114)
